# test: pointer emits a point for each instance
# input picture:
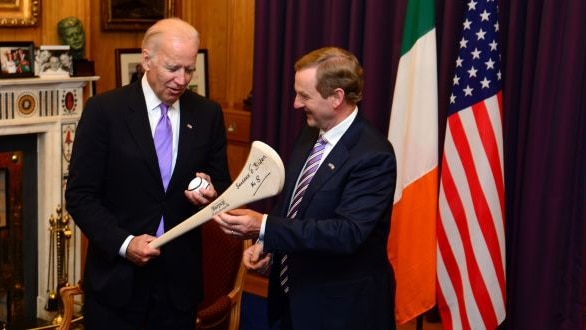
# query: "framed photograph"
(132, 15)
(53, 61)
(128, 65)
(129, 69)
(199, 81)
(19, 13)
(16, 59)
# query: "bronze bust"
(71, 33)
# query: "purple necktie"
(164, 146)
(311, 166)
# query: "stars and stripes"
(470, 231)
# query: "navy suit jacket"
(339, 274)
(115, 189)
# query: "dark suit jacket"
(115, 189)
(339, 274)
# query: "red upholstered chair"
(223, 279)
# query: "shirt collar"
(151, 99)
(335, 133)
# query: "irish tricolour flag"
(413, 132)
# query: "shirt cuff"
(261, 234)
(122, 251)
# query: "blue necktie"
(164, 146)
(311, 166)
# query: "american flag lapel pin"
(189, 126)
(331, 166)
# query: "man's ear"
(337, 97)
(146, 58)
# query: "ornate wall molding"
(20, 13)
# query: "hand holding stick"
(261, 177)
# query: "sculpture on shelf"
(71, 33)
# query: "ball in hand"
(197, 183)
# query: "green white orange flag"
(413, 131)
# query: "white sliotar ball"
(197, 183)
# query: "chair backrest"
(68, 294)
(223, 278)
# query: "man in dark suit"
(137, 74)
(328, 247)
(118, 197)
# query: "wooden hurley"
(261, 177)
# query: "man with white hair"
(135, 152)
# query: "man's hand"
(240, 223)
(255, 259)
(202, 197)
(139, 252)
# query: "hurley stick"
(261, 177)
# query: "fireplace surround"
(49, 109)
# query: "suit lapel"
(296, 161)
(330, 165)
(139, 127)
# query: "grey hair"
(168, 28)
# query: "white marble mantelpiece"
(56, 80)
(49, 108)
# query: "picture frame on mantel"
(128, 59)
(17, 59)
(19, 13)
(131, 15)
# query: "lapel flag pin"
(189, 126)
(331, 166)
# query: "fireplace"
(18, 230)
(42, 114)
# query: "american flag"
(470, 232)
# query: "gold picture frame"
(131, 15)
(19, 13)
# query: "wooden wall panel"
(21, 34)
(210, 19)
(54, 11)
(239, 51)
